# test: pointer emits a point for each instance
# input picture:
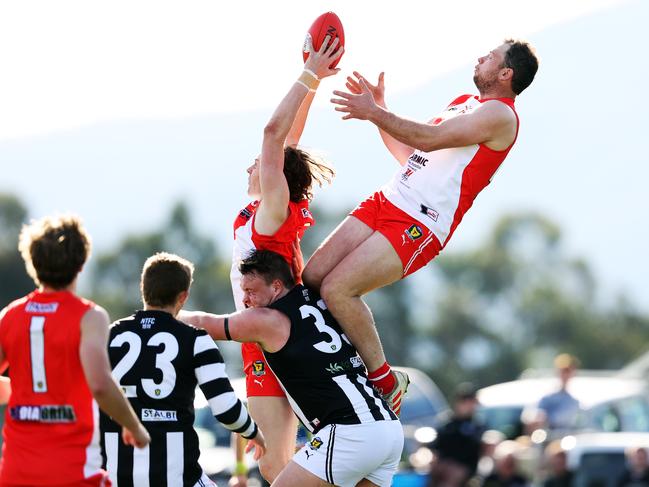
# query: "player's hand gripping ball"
(328, 24)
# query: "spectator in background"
(558, 410)
(556, 457)
(506, 467)
(637, 472)
(490, 441)
(458, 444)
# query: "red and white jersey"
(51, 431)
(439, 187)
(286, 241)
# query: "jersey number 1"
(37, 353)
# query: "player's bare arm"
(295, 133)
(273, 208)
(492, 124)
(398, 149)
(96, 368)
(267, 327)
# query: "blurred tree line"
(482, 315)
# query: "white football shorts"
(345, 454)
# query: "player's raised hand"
(320, 61)
(259, 444)
(361, 105)
(138, 438)
(378, 90)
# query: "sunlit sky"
(66, 64)
(99, 99)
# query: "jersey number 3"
(334, 343)
(162, 362)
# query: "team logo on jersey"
(413, 233)
(333, 368)
(258, 368)
(43, 414)
(409, 172)
(306, 213)
(33, 307)
(429, 212)
(147, 323)
(459, 109)
(346, 366)
(315, 443)
(245, 213)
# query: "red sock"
(383, 379)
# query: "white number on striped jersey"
(331, 346)
(37, 353)
(128, 360)
(162, 362)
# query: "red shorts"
(98, 480)
(415, 244)
(260, 381)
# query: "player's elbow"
(274, 130)
(100, 385)
(428, 145)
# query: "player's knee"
(311, 278)
(331, 291)
(327, 292)
(270, 466)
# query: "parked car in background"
(420, 411)
(607, 403)
(597, 459)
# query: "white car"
(598, 458)
(607, 403)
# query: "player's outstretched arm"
(96, 368)
(295, 133)
(398, 149)
(493, 123)
(268, 327)
(272, 211)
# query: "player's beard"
(483, 83)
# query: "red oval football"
(327, 24)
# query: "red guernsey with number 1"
(50, 399)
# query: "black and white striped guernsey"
(320, 371)
(158, 361)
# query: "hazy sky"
(67, 64)
(114, 110)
